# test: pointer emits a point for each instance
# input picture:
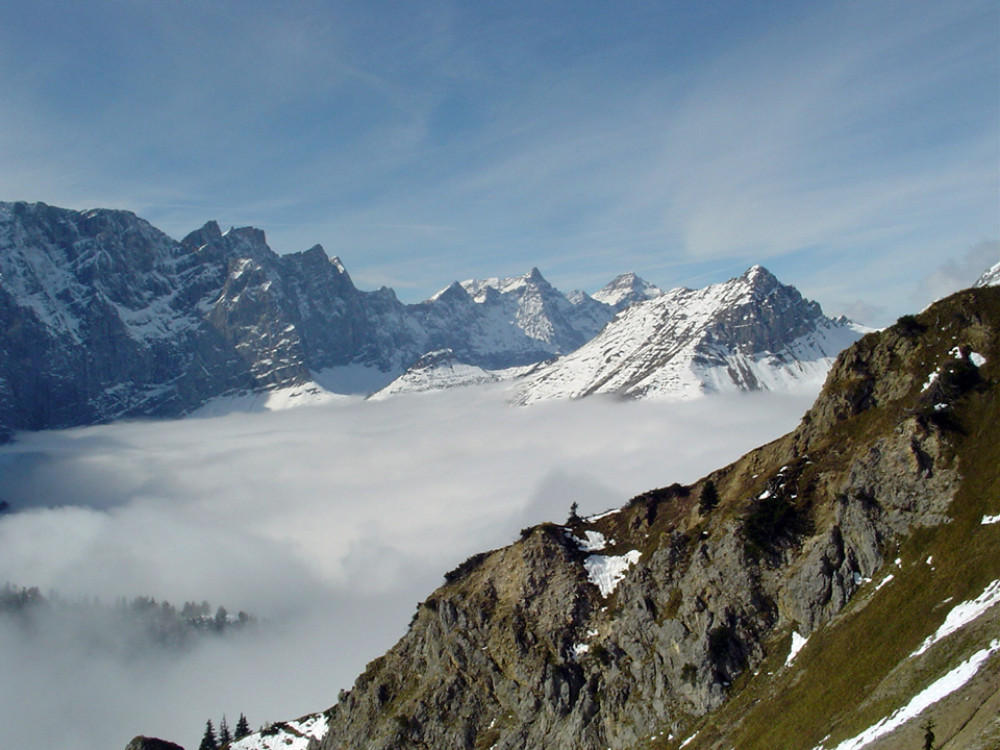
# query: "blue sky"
(851, 147)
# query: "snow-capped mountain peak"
(990, 277)
(625, 290)
(533, 279)
(748, 333)
(436, 371)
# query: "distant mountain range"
(749, 333)
(104, 316)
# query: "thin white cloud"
(841, 130)
(958, 273)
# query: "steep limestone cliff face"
(675, 614)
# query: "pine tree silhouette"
(208, 741)
(225, 737)
(709, 497)
(928, 728)
(242, 727)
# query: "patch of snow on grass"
(937, 690)
(607, 513)
(963, 614)
(579, 649)
(977, 359)
(884, 581)
(987, 520)
(606, 572)
(797, 643)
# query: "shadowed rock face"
(520, 648)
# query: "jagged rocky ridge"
(749, 333)
(680, 619)
(103, 316)
(746, 334)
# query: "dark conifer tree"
(225, 737)
(208, 741)
(242, 727)
(928, 728)
(709, 497)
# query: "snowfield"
(607, 571)
(962, 614)
(289, 735)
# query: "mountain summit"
(990, 277)
(749, 333)
(625, 290)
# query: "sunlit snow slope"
(749, 333)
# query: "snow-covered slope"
(528, 306)
(749, 333)
(286, 735)
(436, 371)
(990, 277)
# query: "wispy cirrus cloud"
(668, 139)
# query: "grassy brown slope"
(856, 670)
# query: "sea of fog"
(328, 522)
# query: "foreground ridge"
(745, 610)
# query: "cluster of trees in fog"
(128, 627)
(212, 740)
